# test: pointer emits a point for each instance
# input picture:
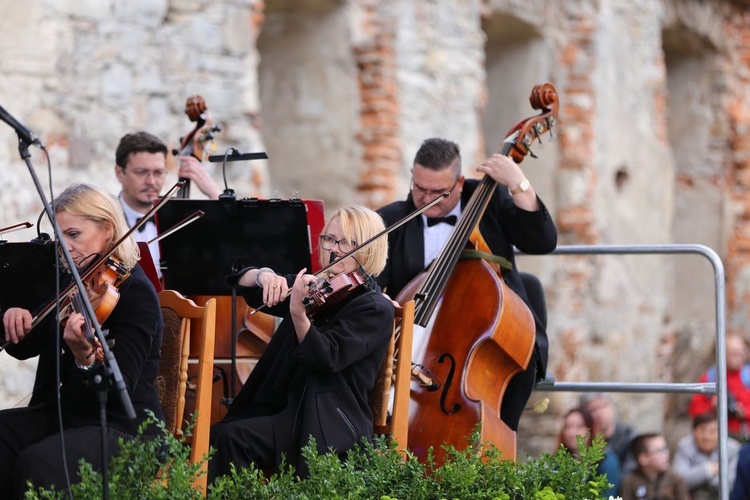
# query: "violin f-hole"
(447, 385)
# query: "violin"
(327, 292)
(101, 289)
(101, 282)
(194, 143)
(103, 294)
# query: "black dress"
(316, 388)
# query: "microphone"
(332, 259)
(24, 134)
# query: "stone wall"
(651, 147)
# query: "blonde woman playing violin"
(91, 221)
(315, 375)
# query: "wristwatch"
(522, 187)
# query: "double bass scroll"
(195, 142)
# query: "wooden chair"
(179, 313)
(395, 376)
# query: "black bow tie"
(451, 219)
(143, 227)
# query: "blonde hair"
(359, 224)
(100, 207)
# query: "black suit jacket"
(503, 226)
(320, 387)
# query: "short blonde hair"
(359, 224)
(98, 206)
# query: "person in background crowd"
(652, 478)
(579, 422)
(738, 390)
(617, 434)
(741, 489)
(696, 458)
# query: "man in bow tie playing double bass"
(515, 216)
(140, 167)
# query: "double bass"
(478, 332)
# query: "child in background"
(652, 478)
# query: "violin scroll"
(522, 136)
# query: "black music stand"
(229, 237)
(27, 274)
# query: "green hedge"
(371, 471)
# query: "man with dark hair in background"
(141, 169)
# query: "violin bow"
(384, 232)
(184, 222)
(16, 227)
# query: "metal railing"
(718, 388)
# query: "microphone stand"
(111, 368)
(229, 203)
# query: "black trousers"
(31, 449)
(518, 392)
(250, 441)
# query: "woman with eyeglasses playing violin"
(315, 375)
(91, 221)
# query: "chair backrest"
(181, 317)
(394, 380)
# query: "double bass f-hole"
(447, 385)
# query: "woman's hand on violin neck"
(77, 341)
(17, 323)
(300, 290)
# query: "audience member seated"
(652, 478)
(617, 434)
(741, 489)
(738, 390)
(579, 422)
(696, 458)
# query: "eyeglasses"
(327, 242)
(417, 189)
(659, 451)
(142, 173)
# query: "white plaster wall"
(308, 72)
(441, 76)
(82, 74)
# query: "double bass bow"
(478, 333)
